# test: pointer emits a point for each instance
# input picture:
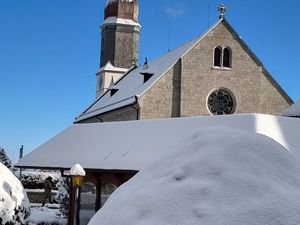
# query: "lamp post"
(77, 174)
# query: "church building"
(215, 73)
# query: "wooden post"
(77, 205)
(71, 204)
(98, 195)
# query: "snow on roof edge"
(293, 110)
(121, 21)
(133, 136)
(109, 67)
(107, 108)
(77, 119)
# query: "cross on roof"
(222, 10)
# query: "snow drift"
(14, 204)
(216, 176)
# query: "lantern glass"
(77, 180)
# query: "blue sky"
(49, 53)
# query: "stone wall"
(126, 46)
(124, 114)
(162, 100)
(108, 38)
(184, 89)
(119, 45)
(253, 91)
(128, 10)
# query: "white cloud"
(175, 11)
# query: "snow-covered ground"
(39, 190)
(46, 215)
(13, 197)
(215, 176)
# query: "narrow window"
(217, 57)
(227, 58)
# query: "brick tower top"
(120, 35)
(124, 9)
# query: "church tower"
(120, 33)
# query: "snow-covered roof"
(214, 176)
(132, 84)
(110, 67)
(120, 21)
(293, 110)
(132, 145)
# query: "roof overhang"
(132, 145)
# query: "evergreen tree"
(4, 159)
(62, 197)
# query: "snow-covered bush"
(62, 197)
(4, 159)
(214, 176)
(33, 179)
(14, 204)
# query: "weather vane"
(222, 10)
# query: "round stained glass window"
(220, 102)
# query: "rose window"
(220, 102)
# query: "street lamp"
(77, 174)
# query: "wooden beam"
(71, 204)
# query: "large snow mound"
(14, 204)
(216, 176)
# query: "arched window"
(227, 57)
(217, 56)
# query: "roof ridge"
(196, 40)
